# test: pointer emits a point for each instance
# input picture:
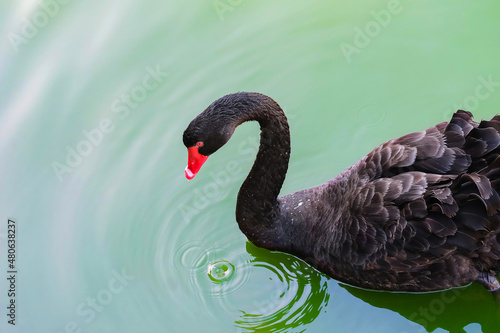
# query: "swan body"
(418, 213)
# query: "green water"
(95, 95)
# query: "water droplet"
(220, 271)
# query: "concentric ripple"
(211, 268)
(370, 114)
(220, 271)
(232, 280)
(293, 297)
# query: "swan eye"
(199, 144)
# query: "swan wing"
(427, 196)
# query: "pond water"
(95, 95)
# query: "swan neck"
(257, 208)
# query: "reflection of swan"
(451, 309)
(418, 213)
(274, 313)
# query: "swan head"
(213, 128)
(208, 132)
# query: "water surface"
(95, 95)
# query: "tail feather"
(458, 128)
(481, 141)
(479, 213)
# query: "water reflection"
(297, 300)
(451, 310)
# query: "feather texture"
(420, 204)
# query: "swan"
(419, 213)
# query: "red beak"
(195, 161)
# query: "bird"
(419, 213)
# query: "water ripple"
(220, 271)
(295, 297)
(266, 291)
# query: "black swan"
(419, 213)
